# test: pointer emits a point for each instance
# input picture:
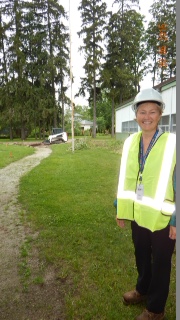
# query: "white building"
(84, 125)
(124, 116)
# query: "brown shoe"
(133, 297)
(147, 315)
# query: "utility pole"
(71, 79)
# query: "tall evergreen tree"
(93, 14)
(161, 39)
(56, 37)
(134, 49)
(34, 57)
(125, 60)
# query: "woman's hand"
(120, 223)
(172, 233)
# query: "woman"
(146, 196)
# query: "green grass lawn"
(11, 152)
(70, 202)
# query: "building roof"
(86, 122)
(165, 83)
(158, 87)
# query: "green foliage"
(38, 280)
(92, 29)
(125, 58)
(163, 13)
(84, 111)
(35, 54)
(34, 42)
(79, 144)
(101, 124)
(24, 269)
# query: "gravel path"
(11, 231)
(14, 303)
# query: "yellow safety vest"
(155, 208)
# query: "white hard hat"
(149, 94)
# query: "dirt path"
(39, 303)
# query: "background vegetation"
(117, 48)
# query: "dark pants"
(153, 253)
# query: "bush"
(80, 144)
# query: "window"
(129, 126)
(125, 126)
(168, 123)
(173, 123)
(164, 123)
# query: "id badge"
(140, 191)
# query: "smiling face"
(148, 115)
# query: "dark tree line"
(34, 59)
(34, 62)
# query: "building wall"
(169, 97)
(124, 116)
(86, 127)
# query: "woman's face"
(148, 116)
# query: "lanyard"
(142, 158)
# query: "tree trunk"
(112, 125)
(23, 132)
(11, 132)
(94, 110)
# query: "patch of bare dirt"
(40, 302)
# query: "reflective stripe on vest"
(157, 202)
(123, 165)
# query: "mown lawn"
(10, 152)
(70, 202)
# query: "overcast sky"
(76, 58)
